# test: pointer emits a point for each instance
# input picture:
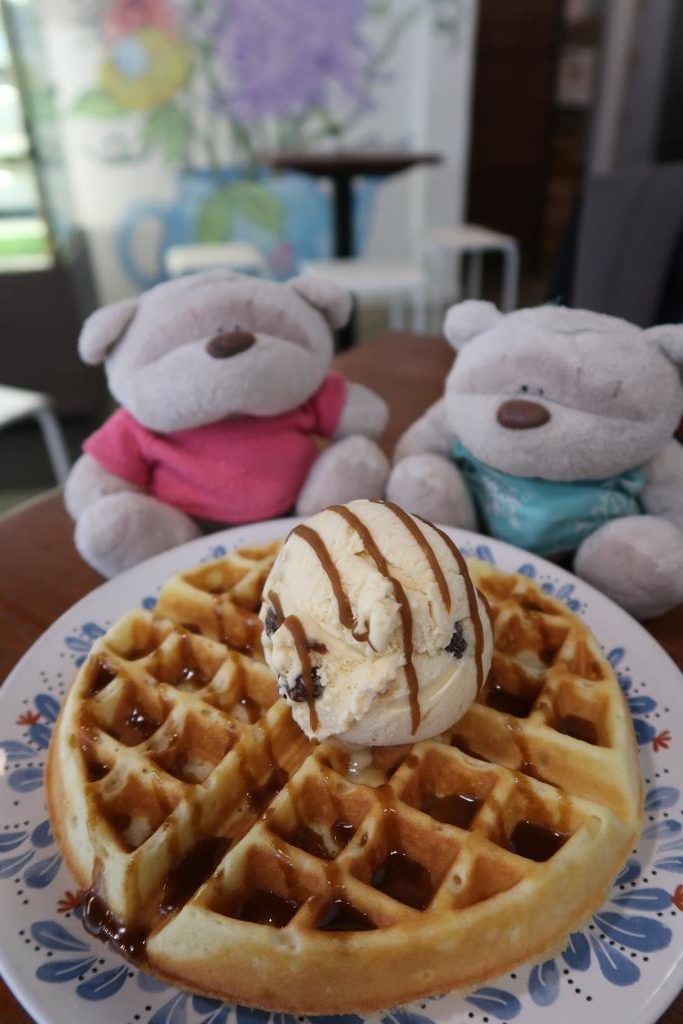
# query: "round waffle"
(225, 852)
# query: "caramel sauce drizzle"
(274, 599)
(346, 616)
(220, 626)
(401, 599)
(344, 605)
(472, 602)
(424, 545)
(190, 670)
(101, 922)
(295, 627)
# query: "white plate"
(626, 965)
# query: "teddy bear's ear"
(468, 319)
(103, 329)
(333, 302)
(669, 339)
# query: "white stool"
(474, 241)
(18, 404)
(392, 283)
(242, 257)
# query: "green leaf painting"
(257, 204)
(247, 198)
(213, 223)
(174, 70)
(169, 129)
(98, 102)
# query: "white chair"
(18, 404)
(434, 283)
(450, 244)
(242, 257)
(393, 284)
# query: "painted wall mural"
(166, 105)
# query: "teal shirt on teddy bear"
(549, 517)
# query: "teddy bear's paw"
(120, 530)
(349, 469)
(88, 482)
(432, 487)
(637, 561)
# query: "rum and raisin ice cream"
(374, 627)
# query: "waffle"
(225, 852)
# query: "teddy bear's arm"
(663, 492)
(88, 481)
(431, 433)
(364, 413)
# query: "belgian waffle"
(227, 853)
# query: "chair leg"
(510, 294)
(396, 312)
(54, 443)
(475, 275)
(419, 311)
(437, 314)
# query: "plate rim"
(656, 1001)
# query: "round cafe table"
(43, 575)
(341, 167)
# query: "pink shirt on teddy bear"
(236, 471)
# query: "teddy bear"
(555, 433)
(223, 384)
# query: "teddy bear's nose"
(230, 343)
(518, 414)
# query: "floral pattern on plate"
(630, 945)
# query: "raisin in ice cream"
(374, 627)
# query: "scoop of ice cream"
(374, 627)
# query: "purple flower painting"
(280, 57)
(208, 86)
(266, 72)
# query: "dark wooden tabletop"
(347, 161)
(42, 575)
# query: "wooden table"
(341, 168)
(42, 574)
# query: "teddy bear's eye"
(531, 389)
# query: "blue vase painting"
(202, 87)
(286, 217)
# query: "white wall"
(423, 104)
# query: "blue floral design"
(24, 845)
(612, 931)
(638, 705)
(630, 923)
(560, 591)
(54, 937)
(39, 724)
(496, 1002)
(215, 551)
(81, 643)
(481, 551)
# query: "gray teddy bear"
(224, 384)
(555, 434)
